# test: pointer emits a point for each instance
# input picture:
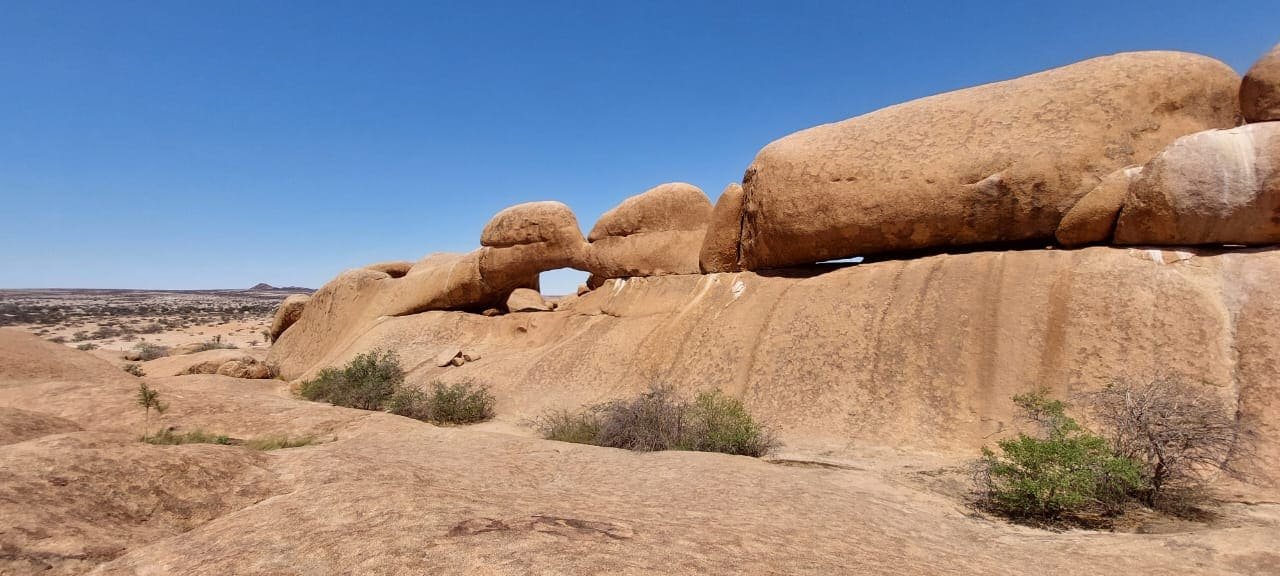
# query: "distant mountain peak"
(263, 286)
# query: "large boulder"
(720, 245)
(523, 241)
(532, 223)
(999, 163)
(651, 234)
(1260, 89)
(1093, 219)
(526, 300)
(286, 314)
(1213, 187)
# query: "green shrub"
(460, 403)
(1064, 469)
(149, 351)
(661, 420)
(135, 369)
(168, 437)
(87, 346)
(367, 382)
(719, 423)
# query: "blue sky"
(174, 144)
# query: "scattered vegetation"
(215, 344)
(367, 382)
(169, 437)
(375, 381)
(661, 420)
(1159, 442)
(135, 369)
(150, 351)
(149, 399)
(87, 346)
(460, 403)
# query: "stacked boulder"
(1215, 187)
(995, 164)
(655, 233)
(1133, 148)
(1260, 89)
(286, 314)
(719, 252)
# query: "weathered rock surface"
(1213, 187)
(1093, 219)
(924, 352)
(655, 233)
(207, 362)
(724, 233)
(526, 300)
(394, 269)
(997, 163)
(1260, 89)
(289, 312)
(250, 370)
(99, 500)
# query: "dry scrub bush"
(169, 437)
(460, 403)
(279, 442)
(661, 420)
(1180, 435)
(149, 351)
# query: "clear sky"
(174, 144)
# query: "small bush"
(279, 442)
(213, 345)
(460, 403)
(661, 420)
(652, 421)
(1179, 434)
(718, 423)
(150, 351)
(135, 369)
(168, 437)
(1063, 470)
(87, 346)
(58, 340)
(566, 426)
(367, 382)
